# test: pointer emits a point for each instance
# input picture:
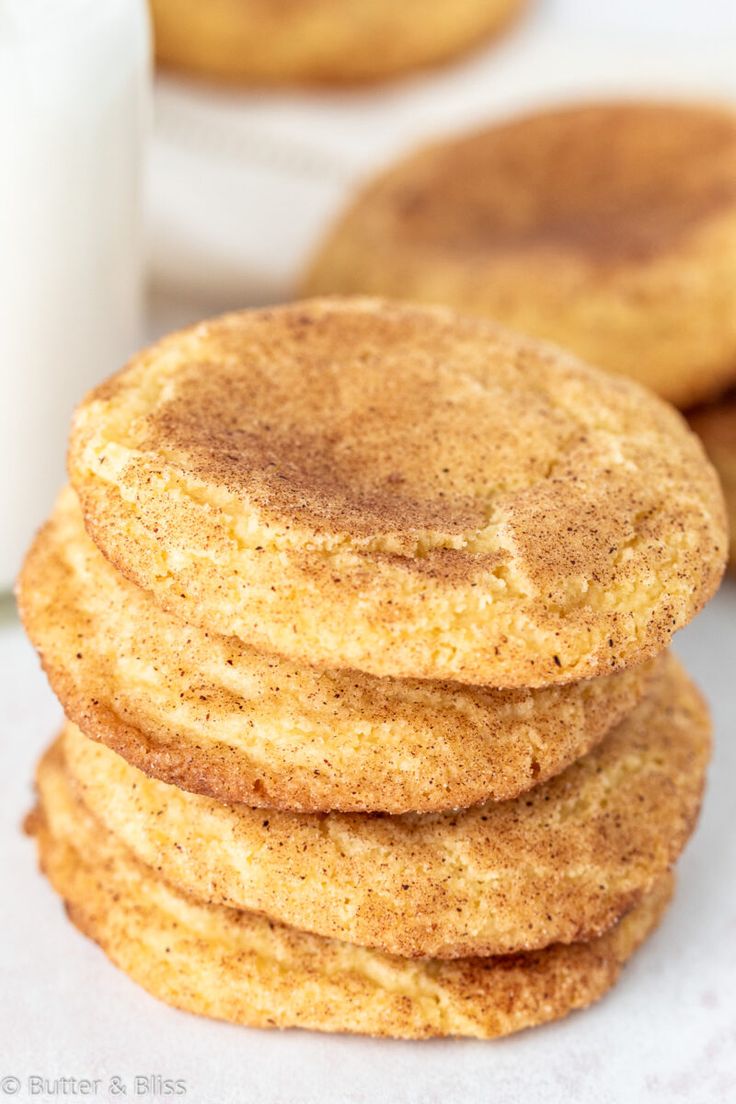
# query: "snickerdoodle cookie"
(211, 714)
(610, 228)
(402, 490)
(716, 426)
(268, 42)
(242, 967)
(558, 864)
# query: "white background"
(668, 1032)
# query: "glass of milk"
(74, 94)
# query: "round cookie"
(559, 864)
(401, 490)
(242, 967)
(609, 228)
(212, 715)
(716, 426)
(316, 42)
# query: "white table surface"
(667, 1033)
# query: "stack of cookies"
(358, 614)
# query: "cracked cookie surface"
(401, 490)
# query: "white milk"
(74, 86)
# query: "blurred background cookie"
(608, 228)
(318, 41)
(716, 425)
